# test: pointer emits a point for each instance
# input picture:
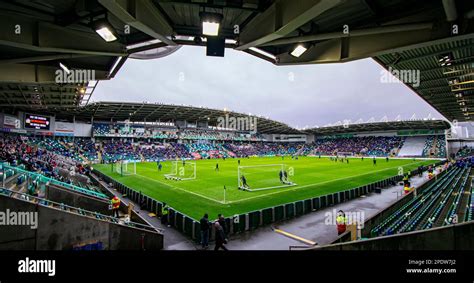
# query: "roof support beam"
(43, 37)
(143, 15)
(280, 19)
(20, 73)
(353, 48)
(41, 58)
(354, 33)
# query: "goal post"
(264, 177)
(125, 167)
(182, 170)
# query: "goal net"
(124, 167)
(264, 177)
(182, 170)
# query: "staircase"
(413, 146)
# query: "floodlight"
(299, 50)
(210, 23)
(105, 30)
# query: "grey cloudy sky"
(304, 95)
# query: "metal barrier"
(75, 210)
(35, 176)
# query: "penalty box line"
(317, 184)
(183, 190)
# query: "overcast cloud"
(301, 96)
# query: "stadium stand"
(101, 130)
(465, 151)
(436, 205)
(367, 146)
(84, 150)
(435, 146)
(471, 208)
(413, 146)
(67, 161)
(208, 150)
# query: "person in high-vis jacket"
(164, 214)
(341, 222)
(406, 189)
(406, 179)
(115, 202)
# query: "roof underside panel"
(446, 85)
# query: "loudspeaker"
(215, 46)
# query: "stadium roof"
(398, 33)
(118, 111)
(155, 112)
(381, 126)
(446, 84)
(40, 96)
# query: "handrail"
(59, 183)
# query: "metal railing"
(75, 210)
(45, 179)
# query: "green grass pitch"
(313, 176)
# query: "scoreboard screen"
(36, 122)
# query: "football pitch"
(313, 177)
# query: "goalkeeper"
(285, 178)
(244, 183)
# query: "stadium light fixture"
(299, 50)
(264, 53)
(105, 30)
(210, 23)
(445, 60)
